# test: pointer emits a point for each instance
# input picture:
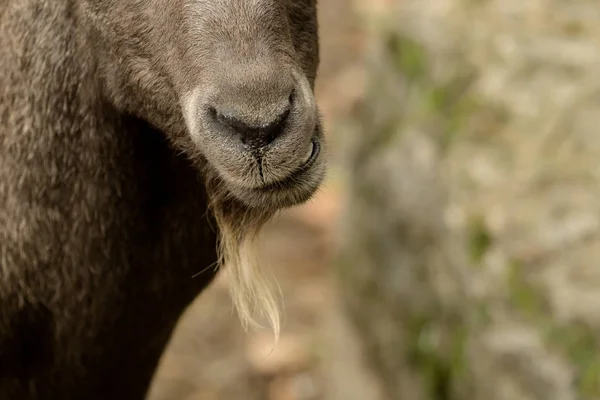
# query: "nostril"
(277, 124)
(257, 137)
(254, 135)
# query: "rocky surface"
(470, 254)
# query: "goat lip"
(312, 154)
(290, 180)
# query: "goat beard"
(252, 291)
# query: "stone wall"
(470, 258)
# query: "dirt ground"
(210, 356)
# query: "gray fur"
(110, 194)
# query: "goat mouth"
(311, 156)
(291, 180)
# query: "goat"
(142, 142)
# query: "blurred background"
(454, 251)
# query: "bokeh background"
(454, 251)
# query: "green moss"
(438, 98)
(589, 380)
(481, 314)
(575, 341)
(446, 105)
(381, 137)
(451, 95)
(579, 344)
(522, 295)
(440, 366)
(386, 134)
(457, 120)
(450, 105)
(451, 129)
(458, 361)
(423, 356)
(408, 56)
(480, 239)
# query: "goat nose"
(255, 132)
